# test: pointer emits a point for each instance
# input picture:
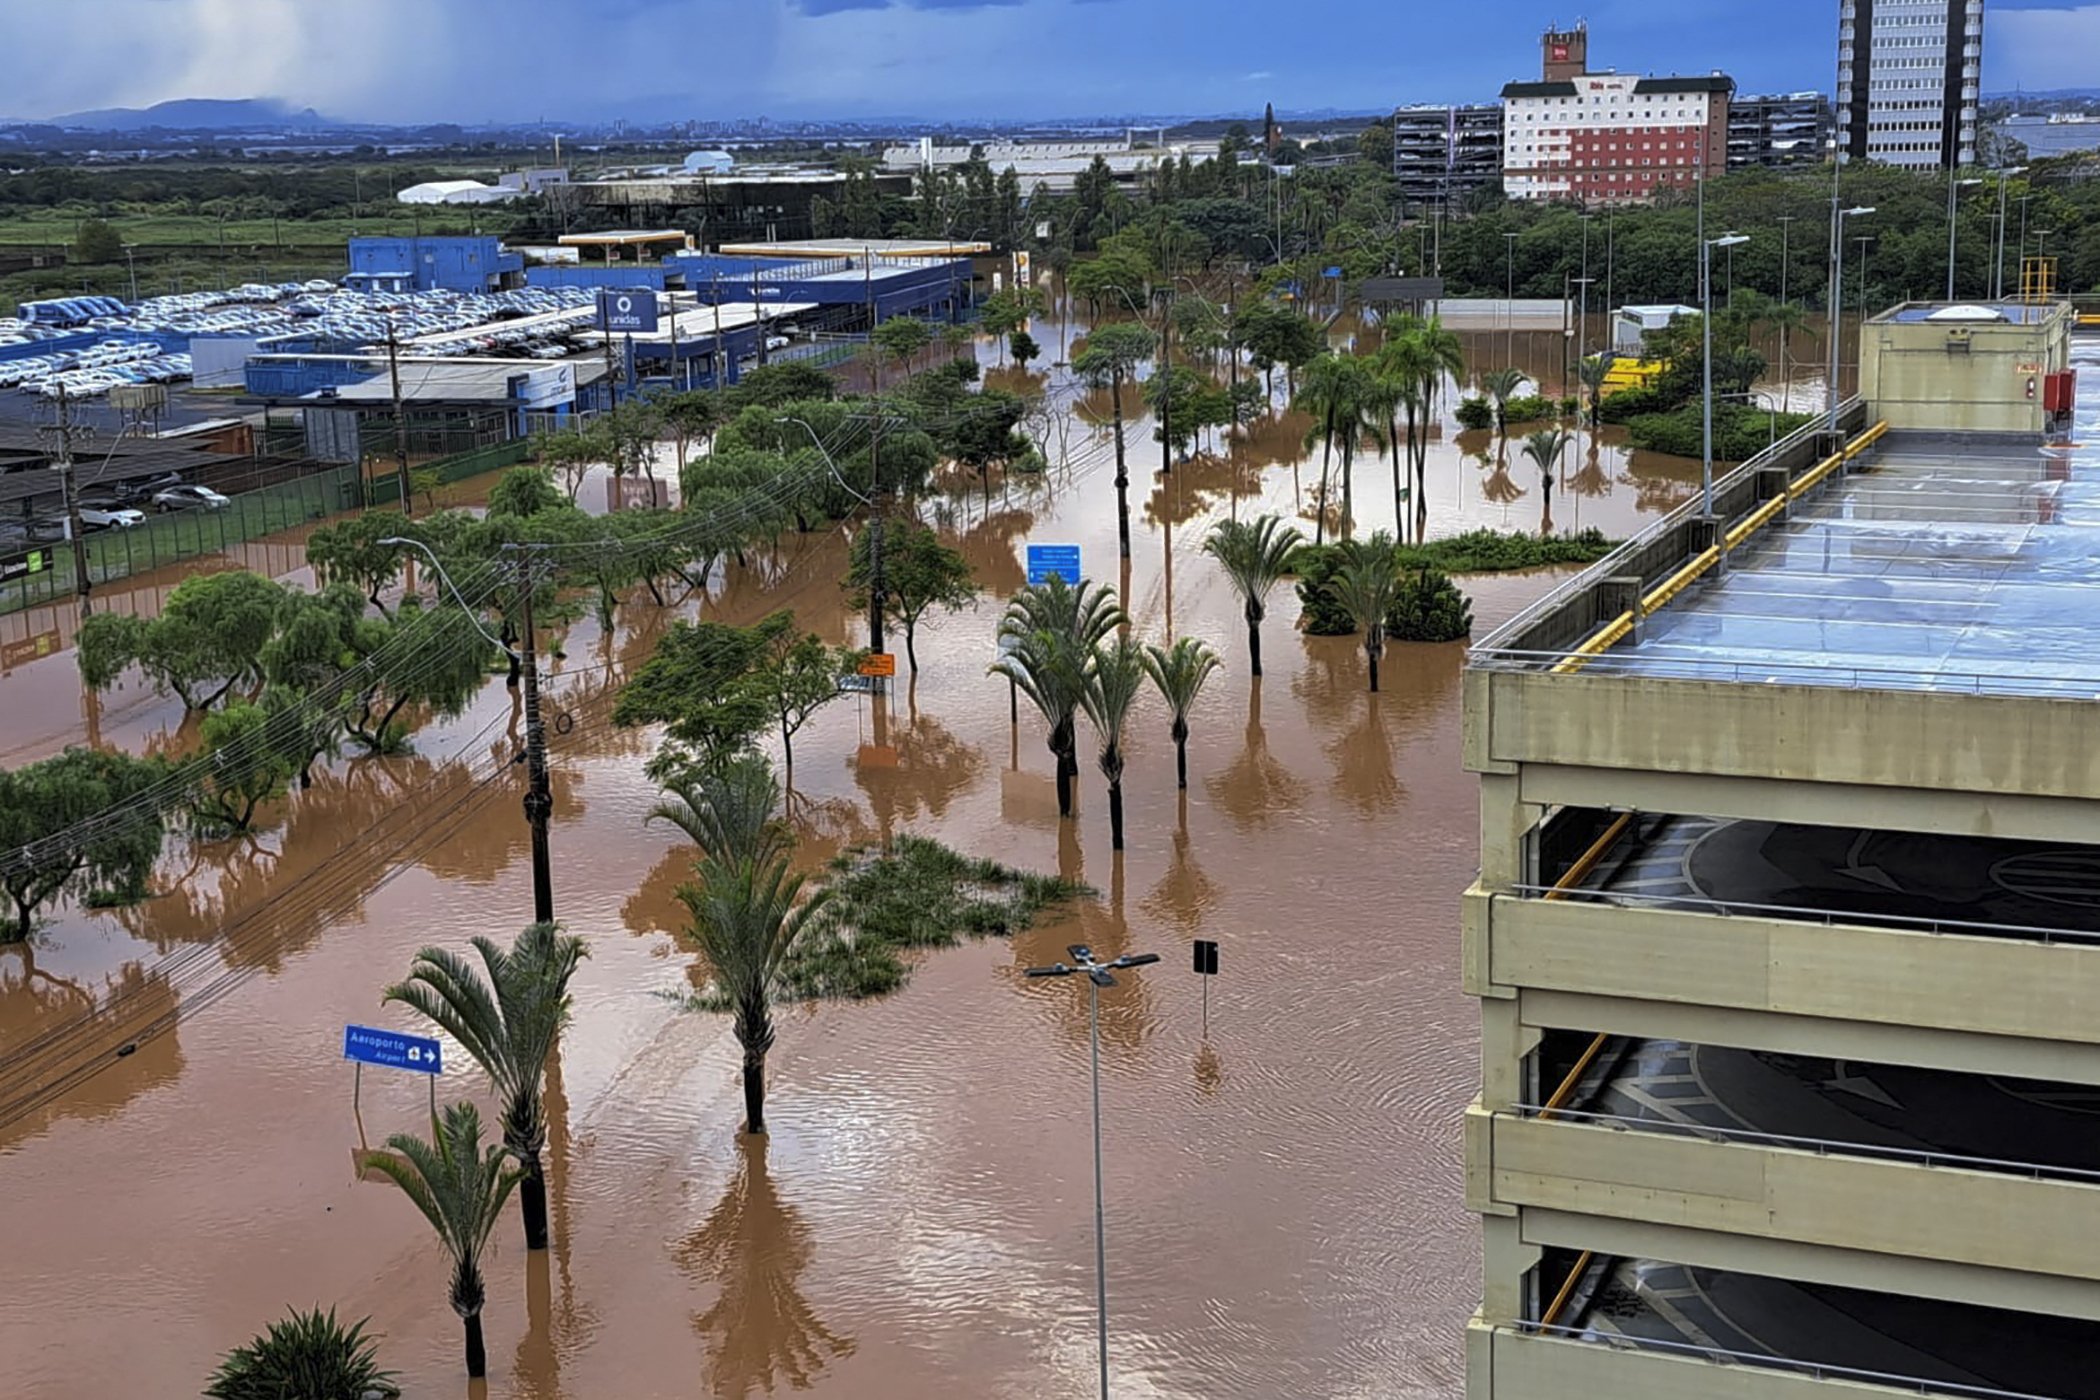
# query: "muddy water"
(1284, 1196)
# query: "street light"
(1509, 296)
(1837, 297)
(1098, 976)
(1953, 188)
(1706, 330)
(1998, 262)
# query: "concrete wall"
(1508, 1365)
(1964, 376)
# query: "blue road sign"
(393, 1049)
(632, 312)
(1048, 561)
(1330, 272)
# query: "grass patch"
(918, 894)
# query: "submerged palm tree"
(1179, 673)
(1048, 638)
(1342, 395)
(1545, 449)
(508, 1024)
(730, 810)
(1366, 586)
(460, 1188)
(746, 917)
(1113, 679)
(1111, 357)
(1592, 371)
(1501, 386)
(1255, 554)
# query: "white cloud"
(2041, 49)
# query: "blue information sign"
(1330, 272)
(393, 1049)
(633, 312)
(1048, 561)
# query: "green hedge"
(1739, 433)
(1631, 403)
(1431, 607)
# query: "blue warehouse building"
(848, 291)
(453, 262)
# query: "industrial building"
(749, 202)
(1442, 155)
(1908, 79)
(455, 263)
(1787, 927)
(1605, 137)
(1050, 166)
(1778, 130)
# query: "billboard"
(633, 312)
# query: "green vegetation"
(1428, 608)
(1364, 588)
(919, 574)
(47, 803)
(307, 1356)
(207, 639)
(1740, 432)
(1114, 676)
(1048, 639)
(1256, 555)
(1496, 551)
(1324, 614)
(1179, 673)
(1111, 357)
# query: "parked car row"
(96, 370)
(123, 507)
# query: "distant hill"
(196, 114)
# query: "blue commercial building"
(453, 262)
(849, 291)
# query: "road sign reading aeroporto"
(373, 1046)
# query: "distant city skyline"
(471, 61)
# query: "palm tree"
(1328, 393)
(460, 1188)
(1392, 384)
(1544, 449)
(1179, 673)
(1113, 679)
(1048, 638)
(1255, 554)
(1366, 587)
(1111, 356)
(508, 1024)
(729, 809)
(1501, 386)
(1592, 370)
(1424, 354)
(746, 917)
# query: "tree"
(1275, 335)
(1114, 279)
(522, 492)
(694, 414)
(435, 657)
(97, 242)
(246, 764)
(349, 551)
(1366, 587)
(1501, 385)
(1048, 636)
(691, 685)
(730, 809)
(208, 638)
(1112, 355)
(1592, 372)
(902, 338)
(460, 1188)
(1545, 449)
(794, 675)
(1179, 673)
(307, 1356)
(1429, 608)
(568, 455)
(1005, 312)
(746, 918)
(1375, 145)
(46, 809)
(508, 1024)
(1411, 366)
(1338, 393)
(1255, 555)
(1023, 348)
(919, 574)
(1114, 676)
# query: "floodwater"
(1283, 1196)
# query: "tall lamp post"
(1954, 188)
(1706, 331)
(1998, 261)
(1509, 297)
(1098, 975)
(1837, 296)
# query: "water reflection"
(1256, 789)
(760, 1332)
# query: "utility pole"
(878, 583)
(539, 801)
(393, 369)
(612, 370)
(758, 307)
(1166, 382)
(63, 434)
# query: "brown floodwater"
(1284, 1197)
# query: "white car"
(111, 517)
(187, 497)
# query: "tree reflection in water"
(1255, 788)
(760, 1331)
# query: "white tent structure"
(456, 192)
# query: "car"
(131, 493)
(47, 528)
(189, 498)
(776, 342)
(105, 517)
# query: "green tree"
(919, 574)
(307, 1356)
(508, 1023)
(903, 339)
(246, 763)
(207, 640)
(97, 242)
(1410, 368)
(1048, 637)
(1374, 144)
(1339, 393)
(1023, 347)
(729, 809)
(349, 550)
(692, 685)
(794, 675)
(1117, 280)
(460, 1189)
(57, 823)
(1429, 608)
(1276, 335)
(522, 492)
(1366, 587)
(1179, 673)
(746, 916)
(433, 657)
(1114, 676)
(1255, 554)
(1545, 449)
(568, 455)
(692, 415)
(1111, 356)
(1501, 385)
(1005, 312)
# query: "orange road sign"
(879, 663)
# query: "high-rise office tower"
(1908, 76)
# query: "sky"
(653, 60)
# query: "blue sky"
(470, 60)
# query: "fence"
(384, 487)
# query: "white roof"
(1966, 312)
(454, 192)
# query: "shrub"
(1475, 414)
(1631, 403)
(308, 1356)
(1429, 609)
(1491, 551)
(1739, 433)
(1319, 613)
(1570, 406)
(1530, 408)
(1475, 552)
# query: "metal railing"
(1829, 918)
(1821, 1147)
(2075, 687)
(1815, 1370)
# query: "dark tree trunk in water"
(1254, 635)
(1122, 472)
(532, 1201)
(1115, 815)
(1374, 669)
(911, 654)
(477, 1354)
(755, 1094)
(1181, 762)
